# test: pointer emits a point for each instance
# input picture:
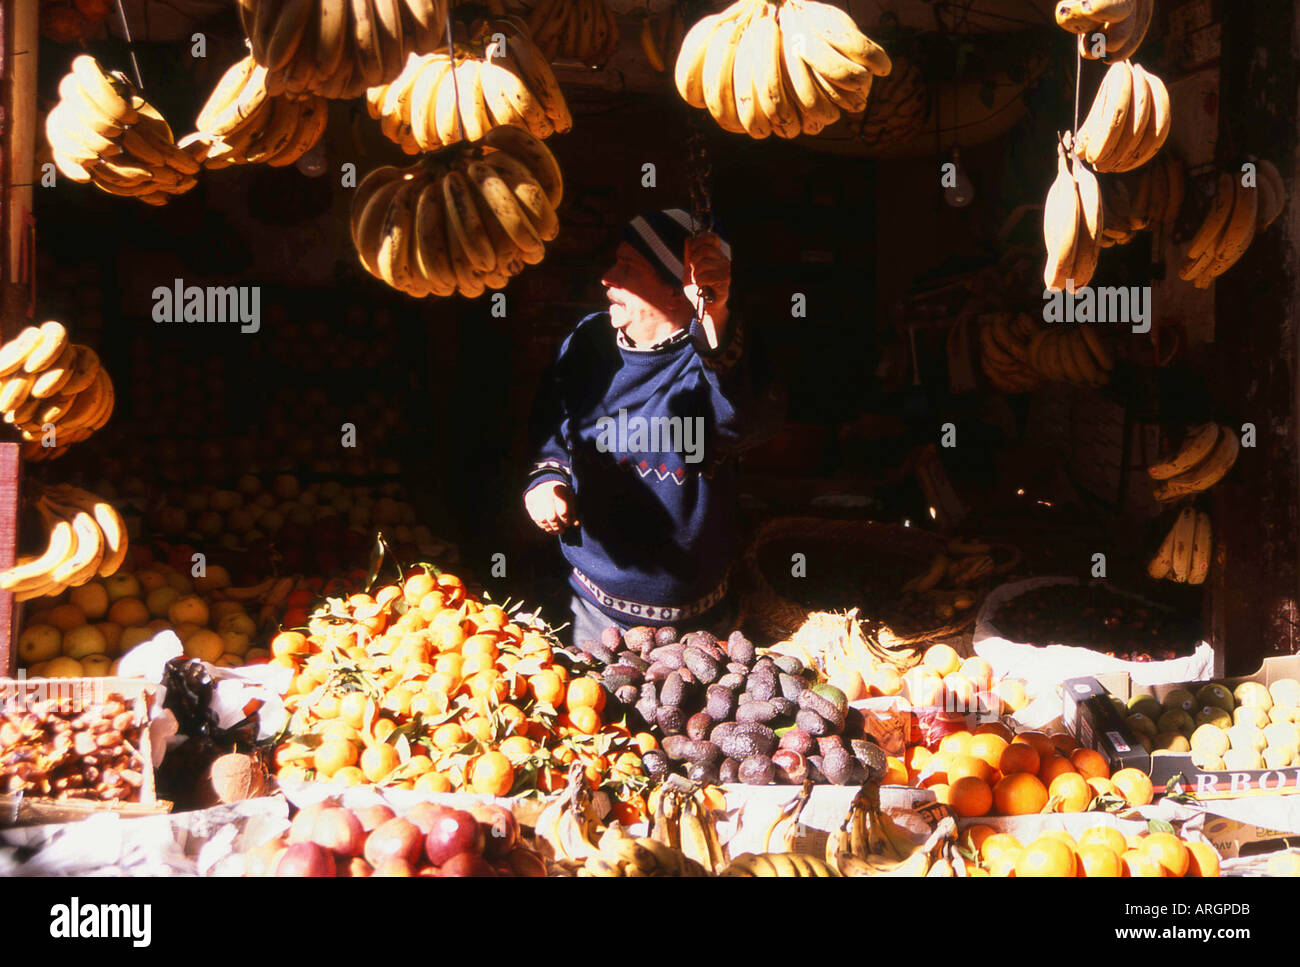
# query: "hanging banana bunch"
(242, 124)
(102, 132)
(661, 37)
(338, 48)
(899, 106)
(1123, 25)
(1237, 214)
(1184, 557)
(54, 393)
(762, 69)
(461, 221)
(1206, 456)
(1129, 120)
(1073, 223)
(87, 539)
(498, 77)
(582, 30)
(1148, 199)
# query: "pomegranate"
(395, 839)
(305, 859)
(455, 831)
(371, 817)
(500, 830)
(300, 829)
(424, 815)
(467, 864)
(338, 831)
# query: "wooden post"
(1256, 341)
(19, 36)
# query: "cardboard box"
(1233, 838)
(24, 810)
(1095, 726)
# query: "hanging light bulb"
(313, 163)
(960, 192)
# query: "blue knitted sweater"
(646, 439)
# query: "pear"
(1254, 694)
(1180, 698)
(1211, 739)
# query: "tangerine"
(970, 796)
(988, 746)
(379, 760)
(1106, 836)
(586, 720)
(1096, 859)
(433, 782)
(1053, 766)
(1167, 850)
(1134, 785)
(1019, 757)
(1136, 863)
(1046, 856)
(547, 688)
(1203, 859)
(997, 845)
(1090, 764)
(1019, 794)
(585, 693)
(334, 755)
(492, 774)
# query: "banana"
(1162, 564)
(1129, 101)
(83, 563)
(1139, 117)
(84, 113)
(533, 154)
(1212, 228)
(815, 109)
(54, 377)
(1160, 123)
(597, 865)
(369, 222)
(749, 115)
(424, 101)
(1184, 533)
(719, 64)
(1092, 224)
(1205, 474)
(574, 836)
(529, 193)
(431, 258)
(393, 258)
(278, 132)
(932, 576)
(65, 134)
(494, 96)
(331, 37)
(772, 84)
(500, 201)
(688, 71)
(1070, 16)
(464, 221)
(1202, 546)
(312, 121)
(617, 848)
(446, 116)
(35, 571)
(102, 91)
(370, 58)
(290, 25)
(1107, 115)
(14, 353)
(51, 345)
(1240, 231)
(654, 57)
(536, 73)
(521, 98)
(695, 841)
(388, 24)
(839, 31)
(1061, 220)
(1131, 39)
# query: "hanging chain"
(130, 46)
(699, 173)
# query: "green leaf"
(376, 562)
(1159, 826)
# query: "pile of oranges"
(422, 686)
(992, 770)
(1098, 851)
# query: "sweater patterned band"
(636, 609)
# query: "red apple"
(425, 814)
(455, 831)
(305, 859)
(338, 831)
(467, 864)
(374, 816)
(300, 829)
(395, 839)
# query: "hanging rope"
(130, 46)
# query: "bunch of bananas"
(1237, 213)
(435, 102)
(1150, 198)
(1004, 352)
(1128, 122)
(618, 854)
(1073, 225)
(661, 37)
(964, 564)
(461, 221)
(567, 829)
(778, 864)
(682, 820)
(103, 132)
(1185, 554)
(763, 69)
(338, 48)
(87, 538)
(870, 843)
(1123, 22)
(49, 384)
(242, 124)
(899, 106)
(583, 30)
(1204, 459)
(1076, 356)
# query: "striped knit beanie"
(661, 238)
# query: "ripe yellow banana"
(1061, 220)
(1184, 534)
(1205, 474)
(1202, 546)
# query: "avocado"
(665, 635)
(837, 764)
(670, 655)
(679, 748)
(791, 686)
(670, 719)
(627, 694)
(789, 664)
(785, 709)
(729, 771)
(699, 725)
(719, 704)
(761, 684)
(745, 739)
(757, 770)
(673, 690)
(704, 667)
(615, 677)
(812, 723)
(655, 764)
(872, 757)
(740, 649)
(799, 741)
(598, 652)
(756, 711)
(634, 660)
(639, 639)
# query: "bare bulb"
(313, 163)
(961, 192)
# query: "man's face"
(635, 291)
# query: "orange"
(352, 708)
(940, 791)
(1020, 794)
(379, 760)
(1046, 856)
(1139, 864)
(492, 616)
(475, 664)
(1053, 766)
(1064, 743)
(1072, 791)
(989, 747)
(895, 772)
(449, 736)
(488, 682)
(916, 759)
(399, 699)
(479, 728)
(938, 771)
(627, 766)
(1012, 695)
(440, 683)
(492, 774)
(1134, 785)
(349, 776)
(645, 742)
(998, 845)
(1039, 741)
(1090, 764)
(970, 796)
(433, 782)
(1060, 834)
(884, 680)
(1203, 860)
(996, 728)
(1019, 757)
(585, 720)
(595, 770)
(1103, 787)
(974, 836)
(1167, 850)
(546, 687)
(1098, 860)
(334, 755)
(432, 603)
(482, 645)
(957, 743)
(1106, 836)
(289, 643)
(960, 766)
(417, 586)
(1005, 864)
(383, 729)
(585, 693)
(517, 747)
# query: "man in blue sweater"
(636, 429)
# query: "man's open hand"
(551, 506)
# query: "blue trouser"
(589, 621)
